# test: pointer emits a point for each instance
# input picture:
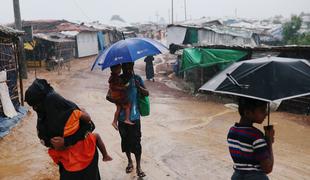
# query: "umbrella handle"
(123, 35)
(268, 106)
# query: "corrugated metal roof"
(99, 26)
(222, 30)
(74, 27)
(202, 22)
(263, 48)
(232, 31)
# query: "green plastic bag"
(144, 105)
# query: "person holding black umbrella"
(266, 80)
(249, 148)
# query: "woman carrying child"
(66, 131)
(131, 134)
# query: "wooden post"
(17, 59)
(185, 13)
(171, 11)
(18, 25)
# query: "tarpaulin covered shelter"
(106, 35)
(296, 105)
(214, 35)
(85, 37)
(203, 57)
(9, 39)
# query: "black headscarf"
(52, 109)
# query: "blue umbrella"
(128, 50)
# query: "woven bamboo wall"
(8, 62)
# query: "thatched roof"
(10, 32)
(48, 26)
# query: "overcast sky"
(147, 10)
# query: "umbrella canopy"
(267, 79)
(128, 50)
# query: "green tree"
(304, 39)
(290, 29)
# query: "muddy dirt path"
(183, 138)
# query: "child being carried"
(117, 94)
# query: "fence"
(8, 63)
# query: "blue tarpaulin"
(100, 36)
(8, 123)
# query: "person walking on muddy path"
(66, 130)
(149, 68)
(117, 94)
(249, 148)
(131, 134)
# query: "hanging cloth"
(8, 107)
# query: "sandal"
(140, 173)
(129, 168)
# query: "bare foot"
(114, 124)
(107, 158)
(129, 122)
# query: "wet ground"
(183, 138)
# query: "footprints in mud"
(185, 124)
(206, 120)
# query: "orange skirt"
(76, 157)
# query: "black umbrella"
(267, 79)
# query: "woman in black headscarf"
(149, 68)
(63, 128)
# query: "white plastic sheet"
(7, 104)
(175, 35)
